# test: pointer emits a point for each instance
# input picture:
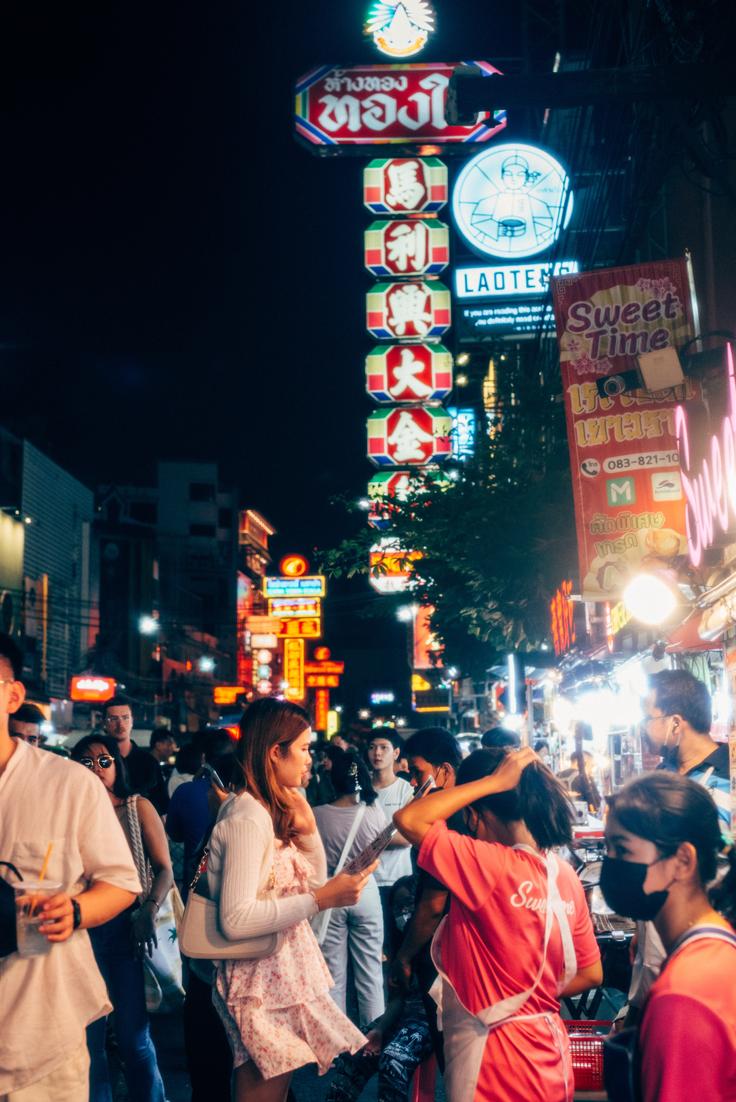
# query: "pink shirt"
(493, 938)
(688, 1032)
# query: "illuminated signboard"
(325, 666)
(294, 668)
(382, 105)
(267, 625)
(390, 569)
(523, 319)
(288, 607)
(462, 434)
(406, 247)
(562, 619)
(227, 694)
(323, 681)
(301, 627)
(408, 373)
(408, 311)
(92, 689)
(304, 586)
(409, 436)
(405, 185)
(260, 639)
(710, 487)
(400, 28)
(509, 280)
(512, 201)
(321, 709)
(293, 566)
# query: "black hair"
(500, 738)
(28, 713)
(677, 692)
(349, 774)
(117, 701)
(668, 809)
(189, 758)
(387, 733)
(229, 770)
(11, 652)
(541, 744)
(120, 787)
(539, 801)
(216, 743)
(404, 883)
(160, 734)
(436, 745)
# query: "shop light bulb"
(649, 599)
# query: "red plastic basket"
(586, 1050)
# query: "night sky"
(178, 278)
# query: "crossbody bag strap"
(322, 920)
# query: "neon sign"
(510, 280)
(710, 493)
(562, 619)
(400, 28)
(512, 201)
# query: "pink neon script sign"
(710, 493)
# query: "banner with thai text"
(627, 486)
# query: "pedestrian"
(188, 761)
(663, 838)
(52, 808)
(162, 748)
(393, 792)
(26, 724)
(353, 933)
(266, 871)
(119, 945)
(500, 738)
(518, 936)
(141, 772)
(433, 754)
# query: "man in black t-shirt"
(140, 767)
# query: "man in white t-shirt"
(49, 805)
(393, 793)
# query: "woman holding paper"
(347, 826)
(266, 871)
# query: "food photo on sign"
(627, 484)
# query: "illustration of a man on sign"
(406, 189)
(405, 382)
(406, 247)
(408, 440)
(408, 306)
(511, 211)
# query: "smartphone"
(212, 775)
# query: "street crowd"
(365, 926)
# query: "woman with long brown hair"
(267, 872)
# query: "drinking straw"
(46, 860)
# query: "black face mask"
(622, 884)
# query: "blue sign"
(462, 434)
(510, 280)
(305, 586)
(512, 201)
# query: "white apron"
(466, 1033)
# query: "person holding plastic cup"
(56, 809)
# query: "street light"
(649, 599)
(406, 613)
(148, 625)
(206, 664)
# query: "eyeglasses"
(103, 761)
(650, 719)
(32, 739)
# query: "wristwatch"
(77, 912)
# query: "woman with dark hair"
(120, 944)
(355, 931)
(663, 839)
(518, 935)
(266, 870)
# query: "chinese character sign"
(409, 373)
(294, 669)
(407, 248)
(412, 311)
(411, 436)
(627, 484)
(405, 185)
(562, 619)
(375, 105)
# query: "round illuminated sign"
(512, 201)
(293, 566)
(400, 28)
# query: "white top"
(396, 861)
(46, 1001)
(334, 825)
(239, 867)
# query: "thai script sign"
(412, 311)
(307, 585)
(408, 373)
(377, 105)
(628, 492)
(409, 436)
(407, 247)
(405, 185)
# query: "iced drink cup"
(30, 896)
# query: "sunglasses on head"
(103, 761)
